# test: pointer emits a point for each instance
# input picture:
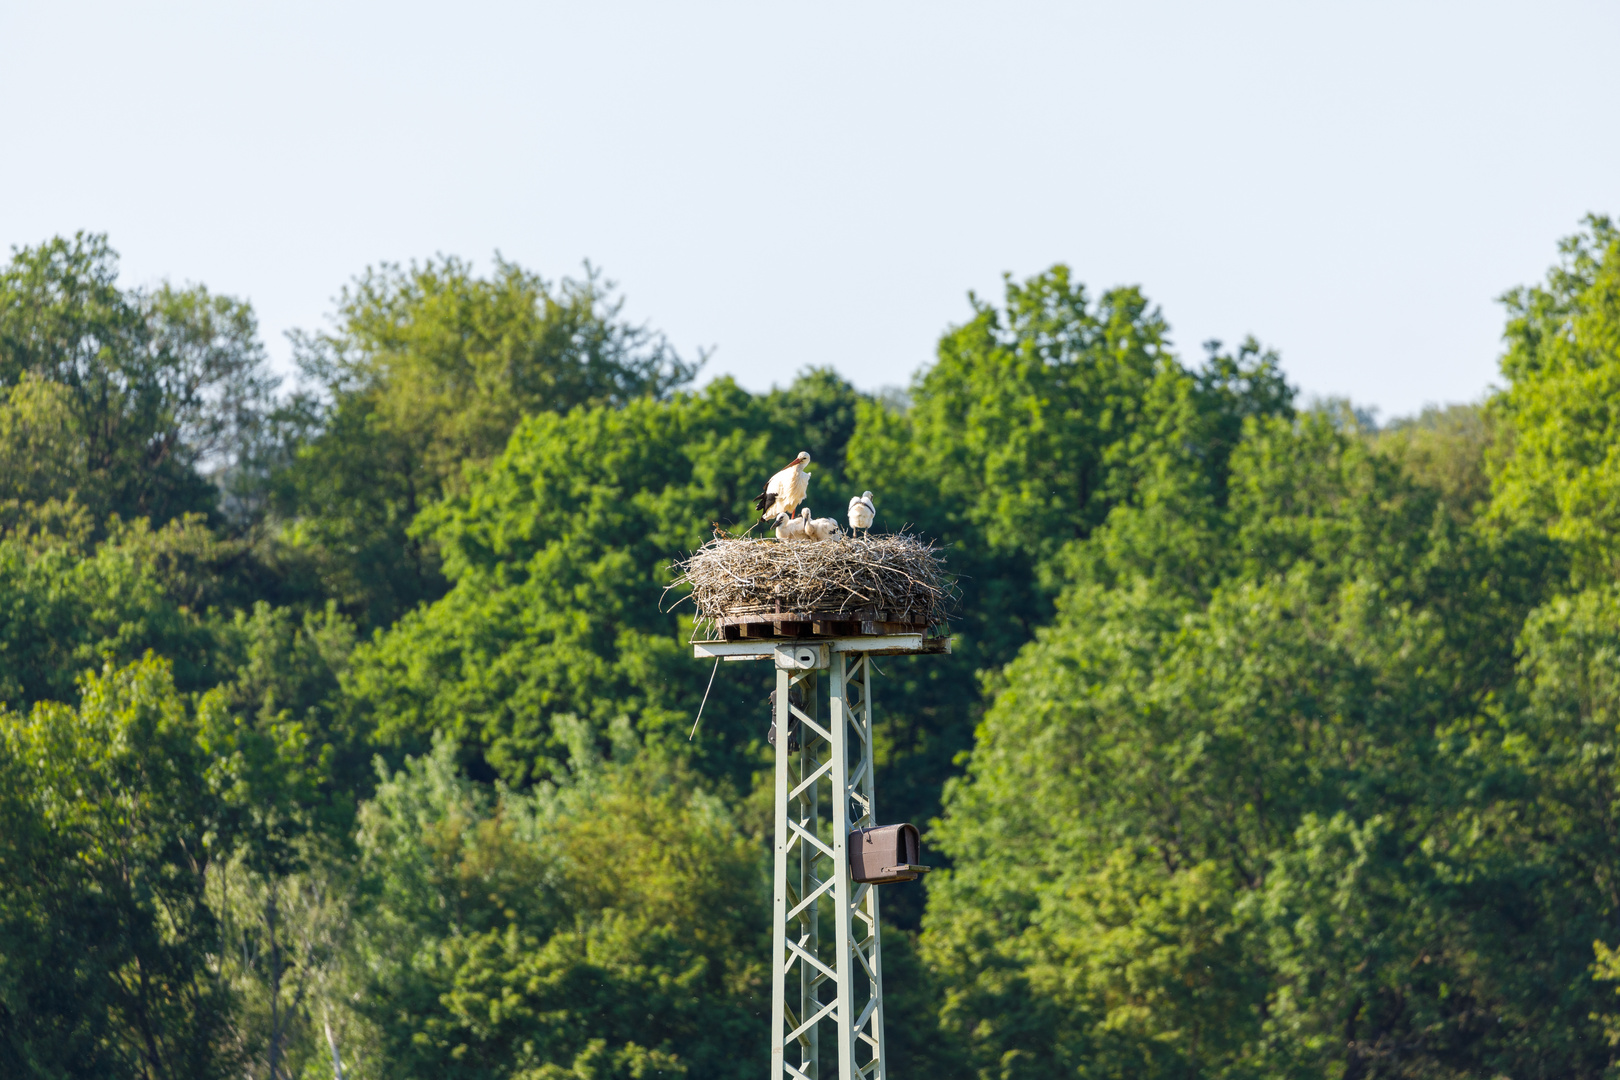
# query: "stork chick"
(785, 491)
(861, 512)
(821, 528)
(790, 528)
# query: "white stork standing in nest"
(785, 491)
(861, 512)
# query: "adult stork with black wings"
(785, 491)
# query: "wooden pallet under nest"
(864, 622)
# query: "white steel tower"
(826, 960)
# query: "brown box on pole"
(884, 854)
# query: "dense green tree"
(1449, 450)
(306, 754)
(610, 926)
(149, 390)
(298, 767)
(286, 945)
(1229, 834)
(1561, 468)
(105, 938)
(428, 369)
(72, 604)
(1555, 468)
(1036, 421)
(43, 459)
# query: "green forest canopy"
(344, 727)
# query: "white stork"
(785, 491)
(861, 512)
(791, 528)
(821, 528)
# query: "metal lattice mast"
(812, 876)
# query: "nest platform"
(845, 587)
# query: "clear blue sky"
(823, 183)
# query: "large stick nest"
(846, 577)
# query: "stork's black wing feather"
(762, 500)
